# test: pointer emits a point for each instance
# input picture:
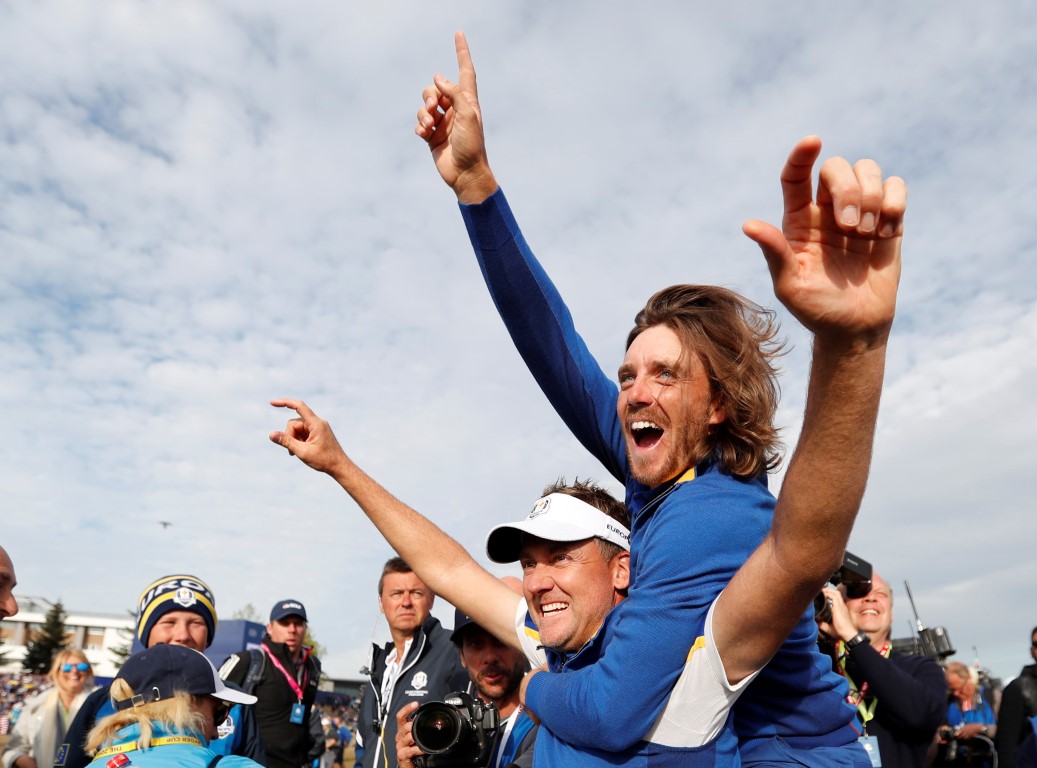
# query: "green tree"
(122, 652)
(48, 641)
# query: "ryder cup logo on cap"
(557, 517)
(185, 597)
(178, 592)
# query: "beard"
(687, 446)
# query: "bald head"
(8, 605)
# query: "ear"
(717, 411)
(620, 567)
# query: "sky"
(206, 205)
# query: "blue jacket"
(194, 754)
(687, 540)
(243, 738)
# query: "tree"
(122, 652)
(48, 641)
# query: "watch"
(859, 639)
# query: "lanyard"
(160, 742)
(507, 735)
(855, 696)
(291, 680)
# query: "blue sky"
(206, 205)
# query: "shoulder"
(37, 702)
(237, 761)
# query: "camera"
(458, 731)
(854, 575)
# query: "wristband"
(859, 639)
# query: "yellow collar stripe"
(687, 476)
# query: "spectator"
(40, 730)
(418, 664)
(1018, 705)
(900, 698)
(8, 605)
(283, 674)
(970, 717)
(496, 671)
(176, 610)
(690, 432)
(168, 703)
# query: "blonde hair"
(66, 656)
(178, 714)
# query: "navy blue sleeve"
(75, 737)
(689, 551)
(544, 333)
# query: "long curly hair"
(737, 341)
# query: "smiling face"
(495, 668)
(71, 681)
(873, 613)
(569, 588)
(665, 406)
(405, 601)
(180, 628)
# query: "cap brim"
(234, 696)
(504, 544)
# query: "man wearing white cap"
(574, 550)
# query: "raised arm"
(533, 311)
(437, 559)
(835, 265)
(451, 122)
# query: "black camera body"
(459, 731)
(855, 577)
(933, 642)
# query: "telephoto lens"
(437, 727)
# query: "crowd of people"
(637, 635)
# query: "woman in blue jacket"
(168, 703)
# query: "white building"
(95, 633)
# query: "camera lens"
(436, 728)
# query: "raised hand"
(835, 263)
(310, 438)
(450, 121)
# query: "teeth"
(552, 607)
(644, 425)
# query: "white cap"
(557, 517)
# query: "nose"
(639, 392)
(8, 607)
(537, 580)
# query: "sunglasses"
(222, 710)
(81, 667)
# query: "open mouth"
(646, 434)
(550, 609)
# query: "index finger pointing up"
(465, 67)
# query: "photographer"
(900, 698)
(496, 671)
